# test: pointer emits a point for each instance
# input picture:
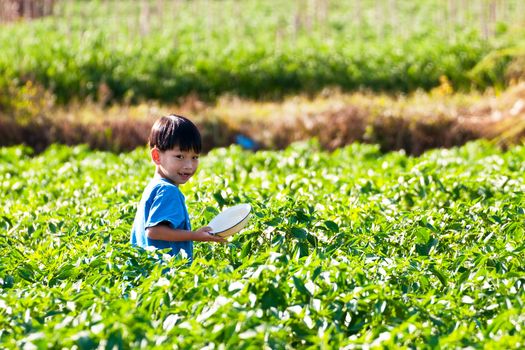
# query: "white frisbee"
(230, 220)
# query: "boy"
(162, 219)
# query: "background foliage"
(135, 50)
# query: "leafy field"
(346, 248)
(248, 48)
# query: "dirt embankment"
(413, 125)
(410, 126)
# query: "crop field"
(136, 50)
(348, 249)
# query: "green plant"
(266, 53)
(347, 248)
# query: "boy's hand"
(204, 235)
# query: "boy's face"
(175, 165)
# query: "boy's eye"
(179, 156)
(196, 157)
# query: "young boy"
(162, 219)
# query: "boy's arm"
(166, 233)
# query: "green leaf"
(298, 233)
(7, 222)
(219, 198)
(299, 284)
(317, 272)
(332, 226)
(440, 275)
(273, 297)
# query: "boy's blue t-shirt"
(162, 202)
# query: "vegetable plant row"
(257, 53)
(344, 249)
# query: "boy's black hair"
(174, 130)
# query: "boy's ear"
(155, 155)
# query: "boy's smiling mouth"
(185, 176)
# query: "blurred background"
(403, 74)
